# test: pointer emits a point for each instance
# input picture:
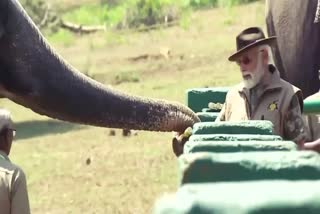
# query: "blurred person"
(13, 188)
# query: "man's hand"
(314, 146)
(179, 140)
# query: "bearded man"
(263, 95)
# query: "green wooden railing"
(311, 106)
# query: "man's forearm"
(314, 145)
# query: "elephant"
(33, 75)
(296, 25)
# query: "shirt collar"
(3, 155)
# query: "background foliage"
(121, 14)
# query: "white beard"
(254, 77)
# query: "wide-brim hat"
(249, 38)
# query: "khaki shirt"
(275, 100)
(13, 188)
(313, 122)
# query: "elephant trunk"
(78, 100)
(33, 75)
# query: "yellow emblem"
(273, 106)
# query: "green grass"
(62, 37)
(92, 14)
(137, 13)
(126, 175)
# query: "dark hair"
(4, 130)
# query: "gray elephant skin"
(32, 74)
(297, 55)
